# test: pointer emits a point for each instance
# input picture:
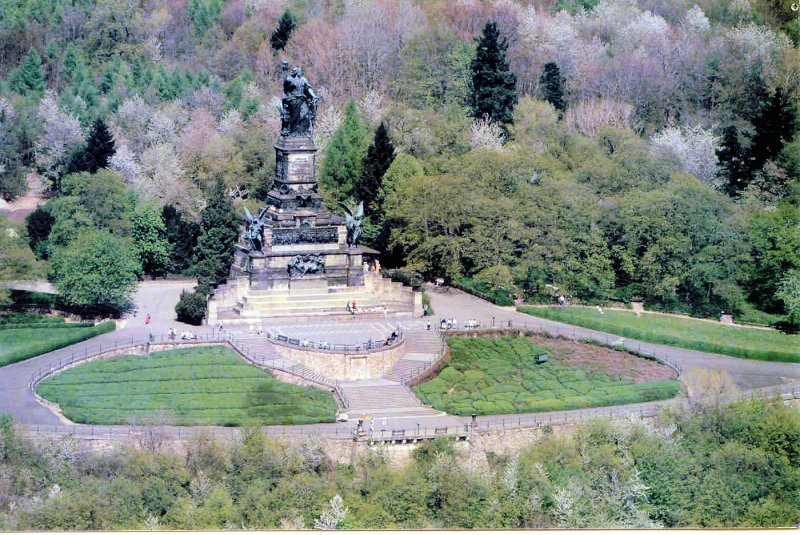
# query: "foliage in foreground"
(27, 342)
(743, 342)
(193, 386)
(715, 467)
(500, 376)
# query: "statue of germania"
(299, 104)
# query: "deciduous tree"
(98, 269)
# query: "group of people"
(185, 335)
(255, 330)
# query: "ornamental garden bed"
(501, 376)
(208, 385)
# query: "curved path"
(158, 299)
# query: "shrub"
(191, 308)
(484, 291)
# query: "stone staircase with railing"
(236, 302)
(388, 397)
(262, 352)
(423, 348)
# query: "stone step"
(236, 315)
(293, 298)
(380, 397)
(404, 367)
(377, 414)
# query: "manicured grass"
(194, 386)
(743, 342)
(499, 376)
(23, 343)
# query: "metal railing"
(571, 331)
(76, 357)
(369, 346)
(416, 431)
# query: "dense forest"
(614, 149)
(710, 467)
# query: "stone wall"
(345, 366)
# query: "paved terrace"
(390, 422)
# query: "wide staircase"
(422, 349)
(316, 301)
(387, 397)
(381, 398)
(262, 352)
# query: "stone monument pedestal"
(305, 266)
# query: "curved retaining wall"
(344, 365)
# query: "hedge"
(471, 286)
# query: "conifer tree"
(494, 93)
(99, 150)
(553, 87)
(28, 78)
(219, 229)
(380, 156)
(344, 157)
(281, 35)
(731, 162)
(775, 125)
(182, 236)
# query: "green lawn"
(499, 376)
(23, 343)
(194, 386)
(743, 342)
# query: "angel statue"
(354, 222)
(254, 229)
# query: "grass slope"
(18, 344)
(194, 386)
(743, 342)
(499, 376)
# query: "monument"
(296, 257)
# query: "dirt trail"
(18, 209)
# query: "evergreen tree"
(494, 93)
(775, 125)
(380, 156)
(731, 162)
(182, 237)
(28, 78)
(99, 150)
(219, 229)
(344, 157)
(553, 87)
(39, 223)
(283, 32)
